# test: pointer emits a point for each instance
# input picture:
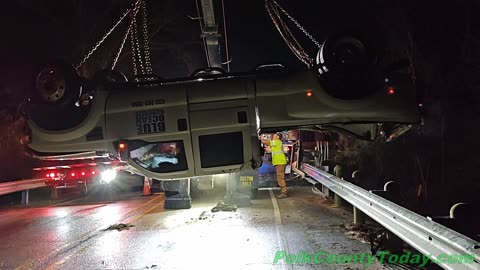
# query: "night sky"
(34, 31)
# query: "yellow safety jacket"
(278, 157)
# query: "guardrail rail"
(22, 185)
(423, 234)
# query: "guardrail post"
(462, 219)
(465, 219)
(83, 188)
(338, 173)
(356, 177)
(25, 194)
(358, 216)
(53, 193)
(337, 200)
(325, 191)
(460, 211)
(391, 191)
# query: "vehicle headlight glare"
(108, 175)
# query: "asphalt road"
(73, 235)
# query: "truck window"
(160, 157)
(221, 149)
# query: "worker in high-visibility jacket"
(279, 161)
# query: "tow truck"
(76, 174)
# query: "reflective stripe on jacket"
(278, 157)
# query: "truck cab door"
(154, 122)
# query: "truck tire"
(56, 89)
(57, 84)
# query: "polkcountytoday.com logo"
(366, 259)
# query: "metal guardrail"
(21, 185)
(425, 235)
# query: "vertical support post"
(54, 193)
(25, 195)
(325, 191)
(83, 188)
(322, 155)
(358, 216)
(356, 177)
(326, 150)
(393, 191)
(337, 200)
(461, 211)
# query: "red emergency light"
(391, 90)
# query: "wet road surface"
(72, 235)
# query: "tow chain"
(141, 60)
(85, 58)
(146, 48)
(297, 24)
(117, 56)
(136, 54)
(274, 9)
(124, 40)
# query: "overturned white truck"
(207, 124)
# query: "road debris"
(221, 206)
(204, 215)
(119, 227)
(361, 232)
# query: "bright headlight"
(108, 175)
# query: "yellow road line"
(142, 205)
(144, 213)
(26, 265)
